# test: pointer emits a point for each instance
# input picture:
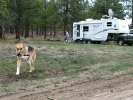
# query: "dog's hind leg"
(30, 64)
(32, 68)
(33, 61)
(18, 67)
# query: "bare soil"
(117, 88)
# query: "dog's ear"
(16, 46)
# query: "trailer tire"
(77, 41)
(86, 41)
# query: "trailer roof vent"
(89, 19)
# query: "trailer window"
(78, 30)
(109, 24)
(85, 28)
(78, 27)
(131, 31)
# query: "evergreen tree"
(4, 14)
(101, 8)
(41, 16)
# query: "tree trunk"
(41, 30)
(1, 32)
(27, 28)
(17, 30)
(45, 31)
(65, 26)
(54, 29)
(32, 31)
(37, 30)
(11, 30)
(18, 21)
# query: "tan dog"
(27, 54)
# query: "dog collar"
(26, 55)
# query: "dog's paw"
(30, 71)
(17, 77)
(17, 74)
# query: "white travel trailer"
(99, 30)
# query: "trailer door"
(78, 30)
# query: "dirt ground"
(117, 88)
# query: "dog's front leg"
(18, 66)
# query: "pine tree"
(101, 8)
(4, 14)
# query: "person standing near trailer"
(67, 36)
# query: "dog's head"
(20, 47)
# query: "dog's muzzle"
(19, 55)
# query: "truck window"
(109, 24)
(85, 28)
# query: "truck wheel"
(130, 44)
(120, 42)
(77, 41)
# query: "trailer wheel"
(77, 41)
(86, 41)
(121, 42)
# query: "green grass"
(7, 88)
(73, 58)
(7, 66)
(61, 59)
